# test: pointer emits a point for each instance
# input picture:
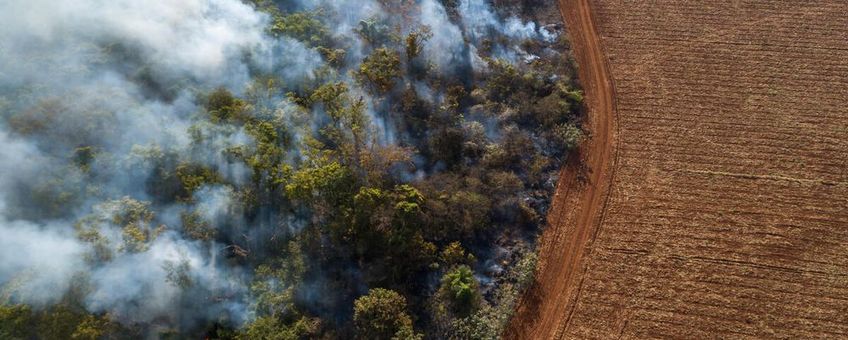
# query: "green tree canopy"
(380, 70)
(461, 289)
(381, 315)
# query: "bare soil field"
(725, 149)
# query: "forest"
(284, 169)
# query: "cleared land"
(727, 214)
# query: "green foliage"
(463, 165)
(16, 322)
(333, 96)
(267, 159)
(453, 254)
(482, 325)
(568, 135)
(333, 56)
(61, 321)
(223, 106)
(275, 283)
(347, 129)
(469, 210)
(91, 328)
(504, 80)
(270, 328)
(273, 288)
(552, 109)
(386, 224)
(489, 321)
(380, 70)
(304, 27)
(193, 177)
(196, 227)
(461, 289)
(409, 201)
(575, 96)
(381, 315)
(133, 217)
(329, 182)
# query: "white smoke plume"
(124, 76)
(58, 62)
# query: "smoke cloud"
(122, 78)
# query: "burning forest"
(276, 169)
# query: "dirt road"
(717, 205)
(581, 195)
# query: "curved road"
(581, 196)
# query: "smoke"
(447, 48)
(44, 259)
(122, 77)
(174, 272)
(119, 82)
(480, 22)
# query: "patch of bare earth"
(727, 214)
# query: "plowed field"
(727, 209)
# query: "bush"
(568, 136)
(379, 70)
(453, 254)
(381, 315)
(304, 27)
(270, 328)
(223, 106)
(461, 290)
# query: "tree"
(330, 182)
(461, 290)
(415, 42)
(373, 31)
(414, 45)
(347, 130)
(453, 254)
(381, 315)
(446, 146)
(274, 287)
(379, 70)
(304, 27)
(568, 136)
(385, 227)
(196, 227)
(135, 218)
(92, 328)
(270, 328)
(223, 106)
(266, 161)
(504, 80)
(16, 322)
(193, 177)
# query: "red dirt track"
(716, 200)
(580, 197)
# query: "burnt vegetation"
(387, 195)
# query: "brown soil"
(581, 193)
(723, 148)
